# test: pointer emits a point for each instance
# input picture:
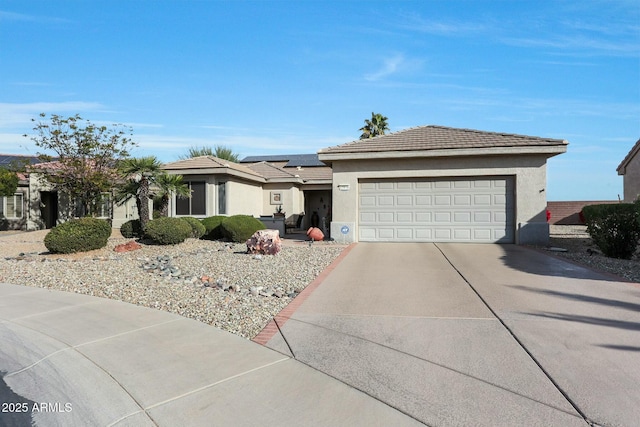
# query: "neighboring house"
(630, 170)
(36, 205)
(14, 210)
(259, 186)
(440, 184)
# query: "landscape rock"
(264, 242)
(127, 247)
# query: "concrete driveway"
(462, 334)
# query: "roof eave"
(216, 171)
(318, 181)
(622, 168)
(296, 180)
(548, 150)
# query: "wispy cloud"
(390, 66)
(577, 45)
(393, 65)
(12, 115)
(21, 17)
(413, 22)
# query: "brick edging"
(265, 335)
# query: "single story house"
(630, 171)
(441, 184)
(424, 184)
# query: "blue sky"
(275, 77)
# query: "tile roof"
(270, 171)
(208, 162)
(440, 138)
(312, 173)
(632, 153)
(315, 173)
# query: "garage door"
(437, 210)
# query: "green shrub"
(614, 228)
(131, 229)
(197, 229)
(167, 230)
(213, 231)
(78, 235)
(239, 228)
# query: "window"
(222, 198)
(197, 203)
(103, 206)
(11, 206)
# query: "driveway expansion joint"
(520, 343)
(439, 365)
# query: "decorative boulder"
(315, 234)
(126, 247)
(265, 242)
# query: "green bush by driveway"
(614, 228)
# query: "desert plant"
(78, 235)
(167, 230)
(197, 228)
(213, 231)
(614, 228)
(131, 229)
(239, 228)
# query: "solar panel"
(10, 159)
(293, 160)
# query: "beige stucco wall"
(292, 198)
(529, 172)
(631, 180)
(243, 198)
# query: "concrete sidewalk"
(76, 360)
(400, 322)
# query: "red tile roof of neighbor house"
(440, 138)
(632, 153)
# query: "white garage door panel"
(441, 210)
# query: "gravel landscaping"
(214, 282)
(580, 249)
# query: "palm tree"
(376, 126)
(169, 185)
(140, 174)
(219, 151)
